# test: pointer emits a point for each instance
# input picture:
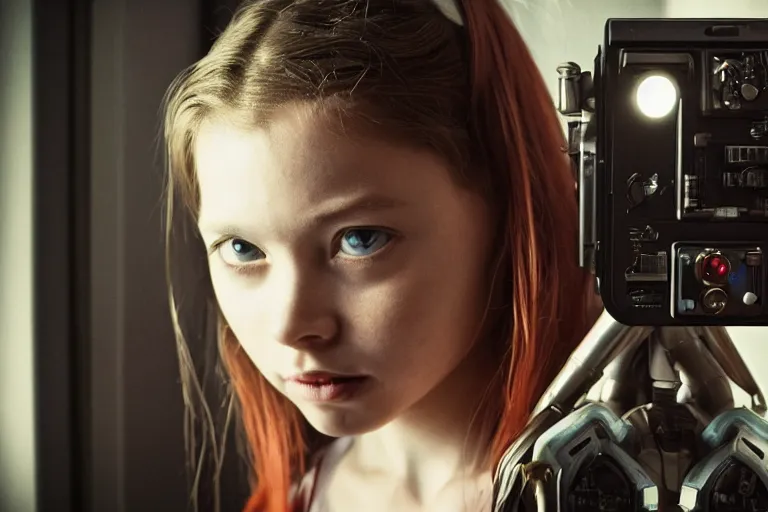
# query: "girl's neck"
(443, 438)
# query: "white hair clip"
(450, 8)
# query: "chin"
(343, 422)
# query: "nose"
(301, 311)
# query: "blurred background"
(90, 403)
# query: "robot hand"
(662, 432)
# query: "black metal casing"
(687, 148)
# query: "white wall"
(716, 9)
(571, 30)
(17, 450)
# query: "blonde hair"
(398, 69)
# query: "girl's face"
(353, 258)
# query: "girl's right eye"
(237, 252)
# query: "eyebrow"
(366, 203)
(338, 209)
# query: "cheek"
(430, 307)
(241, 307)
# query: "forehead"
(297, 162)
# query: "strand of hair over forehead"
(515, 121)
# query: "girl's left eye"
(360, 243)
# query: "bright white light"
(656, 96)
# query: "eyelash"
(245, 268)
(249, 267)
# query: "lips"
(323, 387)
(322, 378)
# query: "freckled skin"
(407, 315)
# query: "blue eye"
(363, 242)
(240, 251)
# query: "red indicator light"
(715, 269)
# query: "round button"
(749, 92)
(749, 298)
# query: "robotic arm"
(662, 432)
